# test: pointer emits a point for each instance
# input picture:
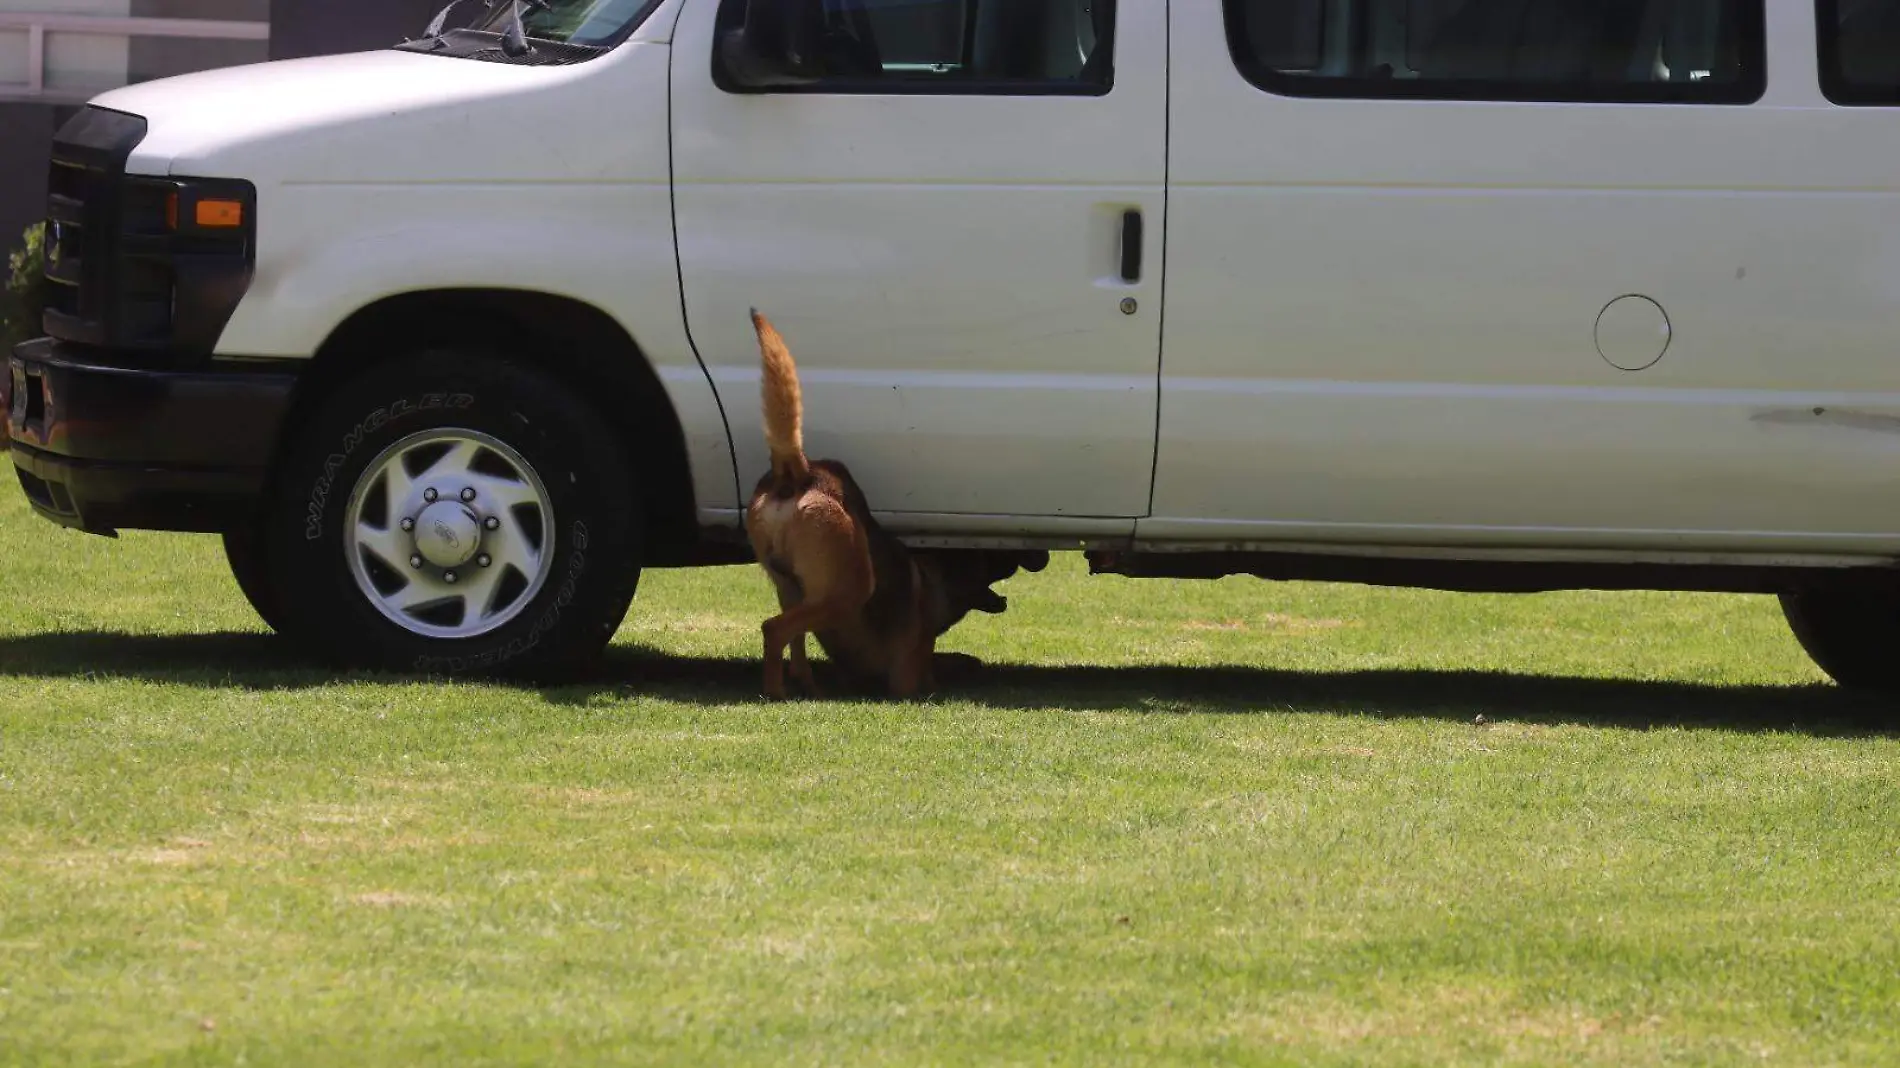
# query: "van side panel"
(1382, 318)
(946, 266)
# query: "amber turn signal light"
(207, 214)
(219, 214)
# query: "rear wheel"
(1854, 636)
(455, 513)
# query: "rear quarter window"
(1859, 42)
(1628, 51)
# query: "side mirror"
(776, 46)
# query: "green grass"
(1236, 822)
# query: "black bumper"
(101, 446)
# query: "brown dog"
(876, 608)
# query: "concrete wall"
(25, 130)
(162, 57)
(323, 27)
(75, 62)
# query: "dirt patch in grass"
(169, 857)
(1469, 1017)
(1269, 623)
(392, 899)
(692, 623)
(418, 786)
(580, 796)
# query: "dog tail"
(784, 410)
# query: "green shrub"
(22, 295)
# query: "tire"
(508, 493)
(1853, 636)
(244, 552)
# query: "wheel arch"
(575, 341)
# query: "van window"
(1633, 51)
(959, 46)
(1860, 51)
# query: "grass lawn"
(1172, 822)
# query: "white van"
(450, 340)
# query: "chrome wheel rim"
(449, 533)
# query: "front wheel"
(1851, 635)
(243, 551)
(455, 513)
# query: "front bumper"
(102, 446)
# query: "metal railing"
(38, 27)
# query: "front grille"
(66, 228)
(85, 207)
(71, 188)
(122, 271)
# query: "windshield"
(588, 23)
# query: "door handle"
(1131, 245)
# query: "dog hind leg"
(792, 625)
(801, 668)
(791, 595)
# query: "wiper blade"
(514, 39)
(440, 23)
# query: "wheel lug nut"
(429, 495)
(449, 577)
(468, 493)
(408, 524)
(484, 560)
(416, 562)
(492, 523)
